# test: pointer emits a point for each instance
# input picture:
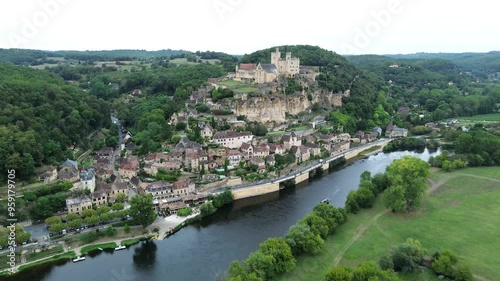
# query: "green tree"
(407, 177)
(72, 217)
(57, 227)
(106, 217)
(76, 223)
(317, 224)
(142, 209)
(281, 252)
(92, 220)
(302, 240)
(207, 209)
(88, 213)
(120, 198)
(126, 228)
(53, 220)
(117, 206)
(102, 210)
(339, 273)
(261, 264)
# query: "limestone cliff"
(273, 107)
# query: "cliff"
(272, 108)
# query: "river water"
(199, 250)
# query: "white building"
(232, 139)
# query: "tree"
(407, 177)
(180, 126)
(281, 252)
(117, 206)
(53, 220)
(102, 210)
(366, 176)
(120, 198)
(126, 228)
(92, 220)
(110, 231)
(317, 224)
(72, 217)
(463, 273)
(88, 213)
(57, 227)
(365, 197)
(351, 204)
(207, 209)
(261, 264)
(302, 240)
(380, 182)
(142, 209)
(106, 217)
(339, 273)
(76, 223)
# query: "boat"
(326, 200)
(79, 259)
(120, 248)
(100, 249)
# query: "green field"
(485, 117)
(64, 256)
(44, 253)
(461, 214)
(87, 249)
(230, 83)
(245, 90)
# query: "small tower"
(288, 56)
(275, 57)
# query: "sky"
(244, 26)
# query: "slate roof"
(269, 68)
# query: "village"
(187, 172)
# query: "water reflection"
(145, 255)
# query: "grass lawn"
(181, 61)
(245, 90)
(132, 241)
(67, 255)
(86, 249)
(230, 83)
(461, 215)
(4, 259)
(369, 150)
(484, 117)
(44, 253)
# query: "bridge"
(301, 175)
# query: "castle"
(269, 72)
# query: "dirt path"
(359, 232)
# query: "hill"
(41, 117)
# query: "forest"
(42, 118)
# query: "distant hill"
(36, 57)
(477, 63)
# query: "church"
(269, 72)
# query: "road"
(308, 167)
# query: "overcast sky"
(244, 26)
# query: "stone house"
(231, 139)
(69, 171)
(49, 175)
(234, 156)
(301, 153)
(291, 140)
(277, 148)
(79, 204)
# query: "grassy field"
(230, 83)
(461, 214)
(245, 90)
(484, 117)
(132, 241)
(86, 249)
(45, 253)
(67, 255)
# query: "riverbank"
(453, 216)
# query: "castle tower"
(288, 56)
(275, 57)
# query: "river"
(197, 251)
